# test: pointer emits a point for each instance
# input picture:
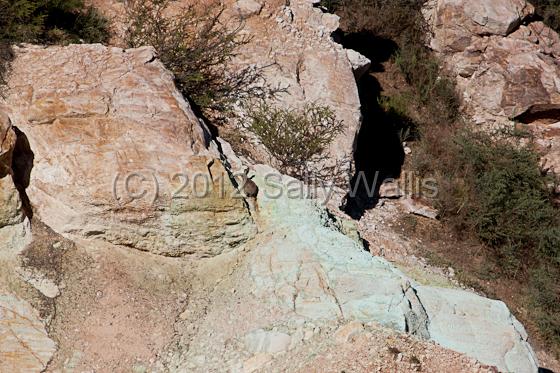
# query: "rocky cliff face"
(117, 164)
(291, 44)
(505, 64)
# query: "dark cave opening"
(379, 152)
(22, 163)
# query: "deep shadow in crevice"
(22, 164)
(375, 48)
(379, 153)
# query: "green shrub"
(47, 22)
(545, 301)
(434, 91)
(295, 137)
(198, 48)
(50, 22)
(492, 186)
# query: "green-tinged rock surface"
(305, 264)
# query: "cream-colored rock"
(10, 202)
(292, 43)
(456, 22)
(24, 344)
(39, 281)
(345, 333)
(360, 63)
(246, 8)
(119, 155)
(506, 70)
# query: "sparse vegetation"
(47, 22)
(435, 92)
(295, 138)
(51, 22)
(198, 48)
(492, 186)
(398, 19)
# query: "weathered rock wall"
(292, 43)
(118, 153)
(505, 63)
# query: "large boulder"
(469, 323)
(118, 153)
(503, 67)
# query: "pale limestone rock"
(360, 63)
(456, 22)
(256, 362)
(110, 127)
(39, 281)
(419, 208)
(479, 327)
(390, 188)
(247, 8)
(262, 341)
(345, 333)
(24, 344)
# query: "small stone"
(347, 332)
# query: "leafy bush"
(295, 137)
(545, 301)
(507, 200)
(198, 49)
